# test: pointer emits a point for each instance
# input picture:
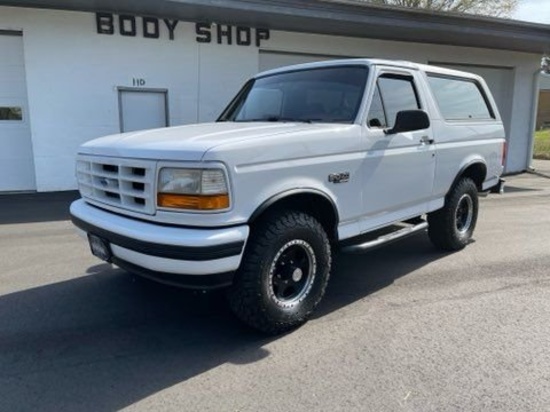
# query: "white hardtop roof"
(371, 62)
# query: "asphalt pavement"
(402, 328)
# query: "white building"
(73, 71)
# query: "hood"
(187, 143)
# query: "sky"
(537, 11)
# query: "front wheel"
(452, 227)
(284, 273)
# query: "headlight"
(194, 189)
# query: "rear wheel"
(451, 228)
(284, 273)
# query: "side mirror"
(409, 121)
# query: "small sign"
(138, 82)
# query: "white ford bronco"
(305, 161)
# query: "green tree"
(494, 8)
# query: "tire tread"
(441, 224)
(245, 297)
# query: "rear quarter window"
(460, 99)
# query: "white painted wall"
(223, 71)
(72, 75)
(73, 72)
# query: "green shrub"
(542, 145)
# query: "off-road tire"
(451, 228)
(254, 295)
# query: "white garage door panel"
(274, 60)
(11, 82)
(16, 156)
(19, 151)
(12, 181)
(12, 50)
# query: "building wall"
(73, 73)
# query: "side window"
(460, 99)
(393, 94)
(377, 116)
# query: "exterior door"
(142, 109)
(16, 155)
(398, 169)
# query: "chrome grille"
(122, 183)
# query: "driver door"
(398, 169)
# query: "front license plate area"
(100, 247)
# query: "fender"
(292, 192)
(471, 162)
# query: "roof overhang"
(333, 17)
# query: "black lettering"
(244, 36)
(104, 22)
(151, 28)
(203, 33)
(171, 24)
(127, 25)
(227, 32)
(262, 34)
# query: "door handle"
(426, 140)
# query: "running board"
(390, 237)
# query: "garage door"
(273, 60)
(501, 82)
(16, 158)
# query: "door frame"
(121, 89)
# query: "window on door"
(11, 113)
(393, 94)
(142, 109)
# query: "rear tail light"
(504, 153)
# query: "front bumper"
(196, 258)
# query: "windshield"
(327, 95)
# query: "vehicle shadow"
(106, 340)
(356, 276)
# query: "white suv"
(306, 160)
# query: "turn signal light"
(193, 202)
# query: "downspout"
(534, 110)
